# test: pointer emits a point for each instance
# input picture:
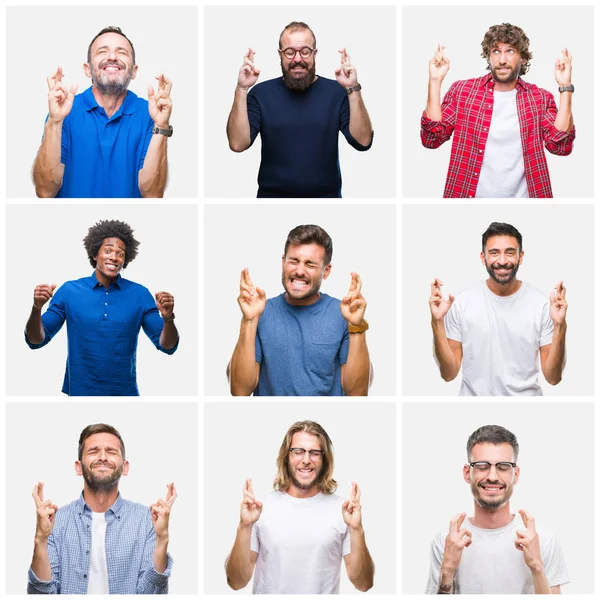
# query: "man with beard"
(101, 543)
(497, 328)
(496, 552)
(299, 117)
(500, 122)
(105, 142)
(296, 539)
(302, 342)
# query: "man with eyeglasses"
(296, 539)
(496, 552)
(299, 117)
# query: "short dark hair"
(98, 428)
(108, 229)
(506, 33)
(297, 26)
(492, 434)
(501, 229)
(310, 234)
(110, 29)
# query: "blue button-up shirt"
(102, 155)
(130, 541)
(103, 325)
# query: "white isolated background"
(48, 243)
(160, 444)
(368, 34)
(445, 242)
(239, 236)
(556, 484)
(242, 441)
(461, 30)
(165, 41)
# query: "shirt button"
(485, 128)
(85, 576)
(480, 151)
(105, 313)
(106, 304)
(470, 196)
(489, 106)
(87, 551)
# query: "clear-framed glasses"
(483, 466)
(314, 454)
(304, 52)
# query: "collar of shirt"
(488, 80)
(117, 284)
(114, 510)
(128, 107)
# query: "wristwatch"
(358, 328)
(356, 88)
(566, 88)
(168, 319)
(167, 132)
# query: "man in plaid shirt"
(500, 122)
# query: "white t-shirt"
(300, 544)
(503, 169)
(492, 564)
(98, 577)
(501, 337)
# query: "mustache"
(505, 267)
(115, 63)
(299, 63)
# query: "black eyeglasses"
(482, 466)
(314, 454)
(304, 52)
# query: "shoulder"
(265, 87)
(470, 293)
(533, 294)
(136, 508)
(466, 85)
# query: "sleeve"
(346, 549)
(436, 555)
(53, 318)
(547, 328)
(150, 581)
(452, 323)
(435, 133)
(258, 349)
(345, 127)
(65, 138)
(254, 539)
(152, 323)
(146, 143)
(556, 142)
(555, 567)
(343, 353)
(254, 117)
(37, 586)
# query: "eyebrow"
(98, 447)
(498, 249)
(105, 47)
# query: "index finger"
(356, 492)
(250, 54)
(248, 279)
(528, 520)
(171, 494)
(52, 79)
(38, 493)
(168, 82)
(248, 487)
(358, 281)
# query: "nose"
(300, 268)
(112, 54)
(102, 454)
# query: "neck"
(297, 492)
(100, 500)
(505, 87)
(110, 104)
(504, 289)
(491, 519)
(104, 280)
(303, 301)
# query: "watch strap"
(358, 328)
(356, 88)
(166, 132)
(566, 88)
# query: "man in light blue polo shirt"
(105, 142)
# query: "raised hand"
(558, 304)
(437, 305)
(249, 73)
(345, 74)
(252, 300)
(60, 101)
(161, 511)
(528, 542)
(353, 304)
(42, 294)
(351, 509)
(250, 508)
(159, 102)
(165, 303)
(562, 68)
(439, 65)
(45, 512)
(456, 541)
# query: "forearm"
(239, 567)
(47, 170)
(564, 116)
(361, 569)
(360, 123)
(358, 365)
(433, 110)
(238, 125)
(446, 580)
(556, 356)
(40, 563)
(446, 359)
(169, 335)
(540, 583)
(152, 178)
(159, 556)
(34, 329)
(243, 379)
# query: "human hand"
(249, 73)
(439, 65)
(437, 305)
(456, 541)
(351, 509)
(165, 304)
(45, 512)
(252, 300)
(60, 101)
(353, 304)
(345, 74)
(161, 511)
(42, 293)
(250, 508)
(528, 542)
(159, 102)
(562, 68)
(558, 304)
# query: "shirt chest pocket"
(322, 357)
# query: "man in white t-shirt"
(496, 552)
(498, 327)
(294, 541)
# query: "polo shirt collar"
(82, 505)
(127, 108)
(93, 281)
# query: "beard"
(298, 84)
(104, 484)
(115, 84)
(308, 484)
(506, 77)
(491, 504)
(512, 273)
(311, 290)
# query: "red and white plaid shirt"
(467, 111)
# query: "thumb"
(150, 92)
(53, 287)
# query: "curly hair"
(507, 34)
(110, 229)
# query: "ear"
(517, 474)
(87, 70)
(134, 73)
(78, 468)
(467, 473)
(482, 257)
(521, 257)
(315, 52)
(282, 261)
(327, 271)
(126, 467)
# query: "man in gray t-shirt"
(497, 552)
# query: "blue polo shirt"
(103, 325)
(103, 156)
